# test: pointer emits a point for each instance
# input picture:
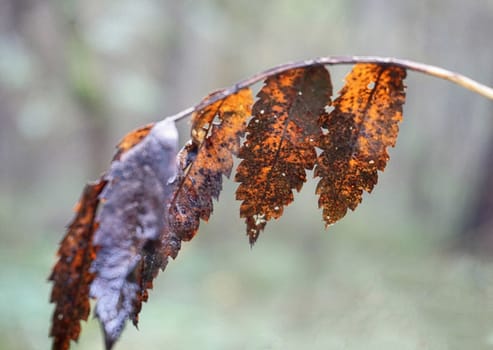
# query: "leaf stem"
(434, 71)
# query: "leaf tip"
(109, 341)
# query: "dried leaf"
(71, 275)
(133, 228)
(206, 159)
(362, 125)
(280, 143)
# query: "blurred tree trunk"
(477, 233)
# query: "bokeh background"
(410, 269)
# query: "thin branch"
(434, 71)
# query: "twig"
(434, 71)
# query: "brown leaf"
(71, 276)
(133, 236)
(206, 159)
(362, 125)
(280, 143)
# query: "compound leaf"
(130, 222)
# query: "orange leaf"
(362, 125)
(280, 143)
(206, 159)
(71, 275)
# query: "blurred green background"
(402, 272)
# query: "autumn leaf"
(71, 276)
(206, 159)
(280, 144)
(363, 123)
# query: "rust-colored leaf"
(280, 143)
(206, 159)
(362, 125)
(133, 237)
(71, 275)
(131, 139)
